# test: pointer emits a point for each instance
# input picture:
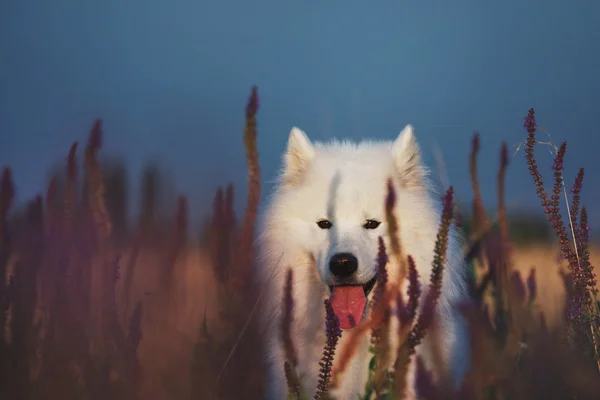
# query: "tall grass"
(93, 307)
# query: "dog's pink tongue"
(348, 300)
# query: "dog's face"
(335, 202)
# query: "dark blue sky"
(171, 78)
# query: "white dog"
(323, 221)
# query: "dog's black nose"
(342, 265)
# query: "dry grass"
(551, 290)
(167, 350)
(170, 349)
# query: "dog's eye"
(371, 224)
(324, 224)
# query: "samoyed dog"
(323, 222)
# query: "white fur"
(346, 183)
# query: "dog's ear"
(407, 157)
(300, 152)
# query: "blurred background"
(169, 80)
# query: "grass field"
(196, 292)
(93, 307)
(167, 348)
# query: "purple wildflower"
(287, 319)
(252, 106)
(532, 285)
(530, 124)
(414, 289)
(518, 286)
(333, 332)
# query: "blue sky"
(171, 78)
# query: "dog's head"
(335, 198)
